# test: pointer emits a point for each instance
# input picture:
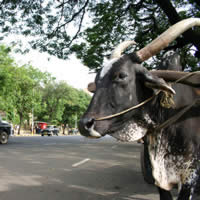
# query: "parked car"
(73, 131)
(50, 130)
(5, 131)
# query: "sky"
(72, 70)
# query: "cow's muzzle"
(86, 128)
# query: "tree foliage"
(53, 99)
(25, 89)
(74, 107)
(92, 29)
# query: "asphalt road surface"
(72, 168)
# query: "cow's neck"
(170, 165)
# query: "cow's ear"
(92, 87)
(157, 83)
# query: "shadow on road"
(44, 171)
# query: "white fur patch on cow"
(130, 132)
(165, 176)
(169, 169)
(107, 66)
(133, 131)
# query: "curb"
(29, 135)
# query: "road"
(72, 168)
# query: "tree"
(110, 22)
(76, 104)
(25, 88)
(27, 81)
(62, 104)
(54, 96)
(17, 88)
(7, 67)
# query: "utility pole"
(76, 121)
(32, 128)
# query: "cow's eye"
(122, 75)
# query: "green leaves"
(62, 103)
(91, 29)
(25, 88)
(74, 107)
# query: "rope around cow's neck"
(146, 101)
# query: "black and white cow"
(123, 83)
(171, 61)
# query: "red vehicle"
(39, 126)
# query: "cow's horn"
(121, 48)
(167, 37)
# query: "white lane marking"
(49, 144)
(81, 162)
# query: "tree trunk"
(64, 127)
(190, 36)
(20, 123)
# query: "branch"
(61, 15)
(70, 20)
(169, 10)
(136, 6)
(197, 2)
(63, 3)
(79, 29)
(190, 36)
(74, 15)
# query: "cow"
(127, 104)
(171, 61)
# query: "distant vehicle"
(50, 130)
(5, 131)
(73, 131)
(39, 126)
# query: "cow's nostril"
(86, 126)
(89, 123)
